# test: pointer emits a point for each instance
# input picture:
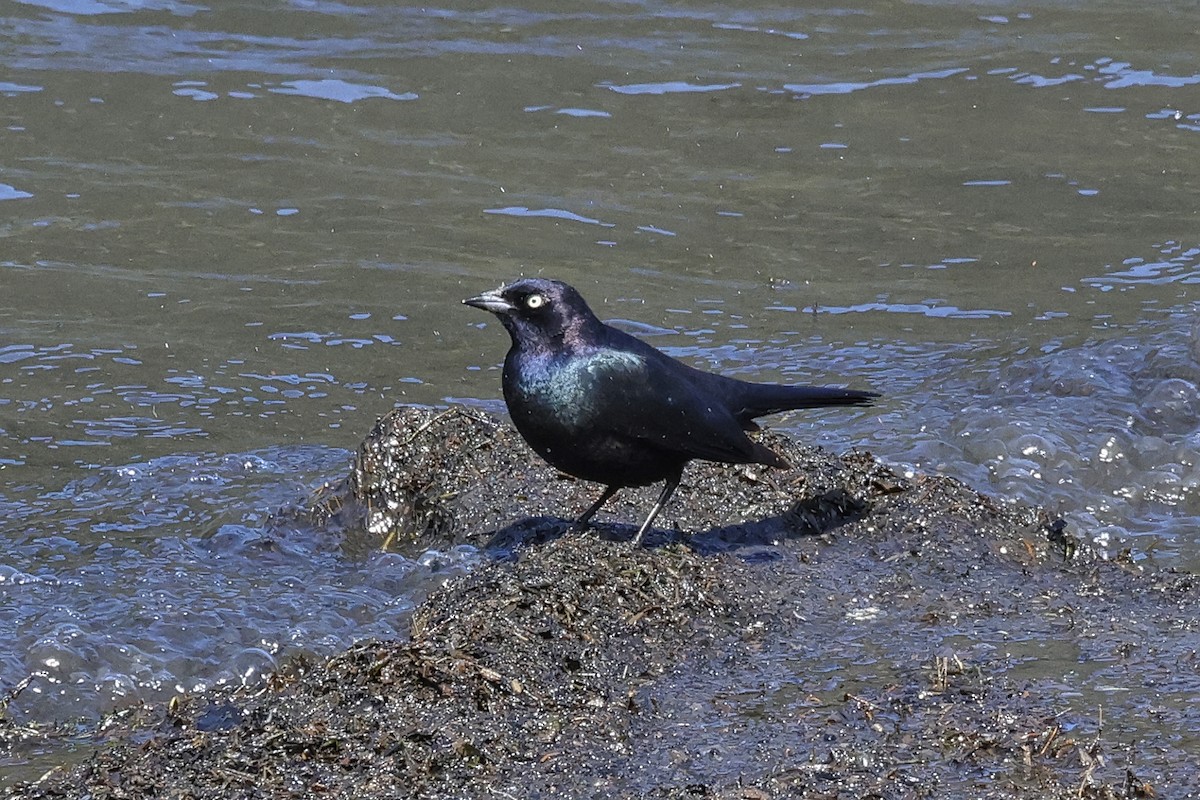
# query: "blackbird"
(604, 406)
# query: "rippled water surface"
(233, 234)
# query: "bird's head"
(538, 312)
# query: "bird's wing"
(645, 395)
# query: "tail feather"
(765, 455)
(760, 399)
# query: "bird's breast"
(569, 391)
(571, 410)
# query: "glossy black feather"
(605, 406)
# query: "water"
(234, 234)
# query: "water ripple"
(846, 87)
(118, 596)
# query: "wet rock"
(835, 630)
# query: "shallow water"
(235, 234)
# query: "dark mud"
(832, 631)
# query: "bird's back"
(744, 400)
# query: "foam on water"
(169, 576)
(1106, 432)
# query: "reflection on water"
(1178, 264)
(328, 89)
(234, 234)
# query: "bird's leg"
(668, 489)
(582, 522)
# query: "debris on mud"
(836, 631)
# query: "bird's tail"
(760, 399)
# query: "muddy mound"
(837, 630)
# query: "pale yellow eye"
(535, 301)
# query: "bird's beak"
(490, 301)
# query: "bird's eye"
(535, 301)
